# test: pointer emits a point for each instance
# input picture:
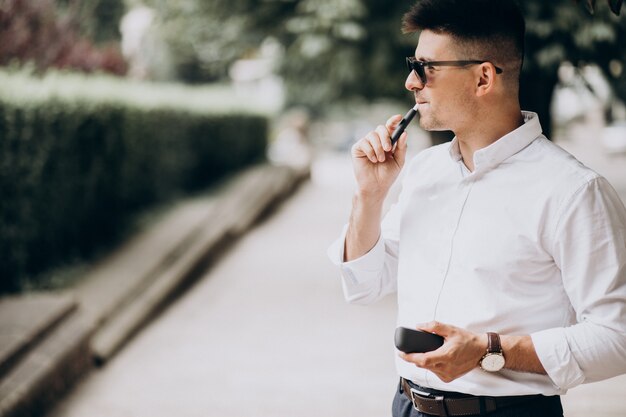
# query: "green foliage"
(558, 31)
(338, 53)
(334, 49)
(341, 49)
(614, 5)
(206, 36)
(78, 157)
(99, 19)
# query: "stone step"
(46, 371)
(25, 320)
(249, 196)
(116, 279)
(48, 341)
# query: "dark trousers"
(543, 407)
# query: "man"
(499, 232)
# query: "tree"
(614, 5)
(341, 49)
(558, 32)
(50, 34)
(332, 47)
(206, 37)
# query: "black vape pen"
(403, 124)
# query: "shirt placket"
(456, 213)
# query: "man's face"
(444, 102)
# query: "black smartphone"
(416, 341)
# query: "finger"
(414, 358)
(385, 137)
(399, 153)
(363, 148)
(392, 122)
(391, 125)
(436, 327)
(444, 377)
(374, 139)
(421, 360)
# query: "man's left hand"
(460, 353)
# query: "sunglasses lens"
(409, 64)
(416, 66)
(419, 69)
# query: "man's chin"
(427, 125)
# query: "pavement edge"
(53, 365)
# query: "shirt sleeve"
(590, 250)
(374, 275)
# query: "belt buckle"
(438, 398)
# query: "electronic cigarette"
(403, 124)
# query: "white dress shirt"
(530, 242)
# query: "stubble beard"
(428, 121)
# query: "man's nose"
(413, 82)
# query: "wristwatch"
(493, 360)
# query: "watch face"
(492, 362)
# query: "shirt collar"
(505, 147)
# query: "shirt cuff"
(359, 274)
(557, 359)
(370, 262)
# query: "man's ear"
(486, 78)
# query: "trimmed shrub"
(78, 157)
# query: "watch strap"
(493, 343)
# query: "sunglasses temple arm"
(402, 125)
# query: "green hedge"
(80, 156)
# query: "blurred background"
(114, 112)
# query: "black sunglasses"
(418, 66)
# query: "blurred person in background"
(501, 242)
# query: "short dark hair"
(492, 28)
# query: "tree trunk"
(536, 88)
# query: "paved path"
(266, 332)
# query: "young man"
(501, 242)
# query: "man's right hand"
(376, 167)
(376, 163)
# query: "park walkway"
(266, 332)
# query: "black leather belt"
(456, 405)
